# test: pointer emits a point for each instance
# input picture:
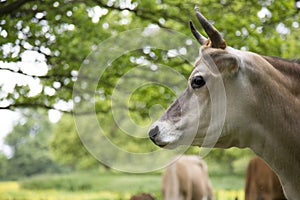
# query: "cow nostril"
(153, 132)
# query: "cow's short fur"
(239, 99)
(261, 182)
(187, 179)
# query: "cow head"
(189, 118)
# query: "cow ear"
(227, 63)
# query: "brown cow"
(143, 196)
(239, 99)
(187, 179)
(261, 182)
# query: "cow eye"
(197, 82)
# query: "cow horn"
(213, 34)
(201, 39)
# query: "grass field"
(104, 186)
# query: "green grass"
(23, 194)
(228, 182)
(104, 186)
(94, 181)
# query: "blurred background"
(44, 43)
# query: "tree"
(3, 166)
(67, 147)
(64, 33)
(61, 34)
(29, 141)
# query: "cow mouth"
(162, 144)
(166, 145)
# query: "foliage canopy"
(65, 32)
(44, 43)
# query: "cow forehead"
(207, 53)
(205, 64)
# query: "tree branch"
(12, 7)
(32, 105)
(36, 76)
(138, 12)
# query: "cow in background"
(143, 196)
(187, 179)
(261, 182)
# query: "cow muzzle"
(154, 136)
(153, 133)
(160, 134)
